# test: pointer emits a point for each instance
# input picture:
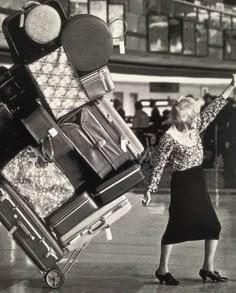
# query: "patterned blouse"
(182, 156)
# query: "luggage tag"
(119, 30)
(123, 143)
(25, 7)
(108, 232)
(122, 45)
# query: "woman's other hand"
(146, 198)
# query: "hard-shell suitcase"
(90, 136)
(23, 47)
(88, 42)
(83, 231)
(26, 228)
(98, 83)
(72, 213)
(118, 184)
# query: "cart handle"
(97, 228)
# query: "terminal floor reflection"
(127, 263)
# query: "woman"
(191, 214)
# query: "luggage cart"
(39, 241)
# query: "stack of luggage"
(67, 157)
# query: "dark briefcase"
(118, 185)
(72, 213)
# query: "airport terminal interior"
(162, 51)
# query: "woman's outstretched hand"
(146, 198)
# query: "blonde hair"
(183, 113)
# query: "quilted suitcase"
(31, 36)
(91, 226)
(93, 141)
(58, 82)
(28, 231)
(72, 213)
(117, 185)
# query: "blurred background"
(173, 48)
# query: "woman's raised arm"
(210, 112)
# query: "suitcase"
(55, 146)
(117, 185)
(28, 230)
(113, 123)
(13, 137)
(91, 138)
(72, 213)
(18, 92)
(42, 184)
(91, 226)
(25, 45)
(58, 82)
(98, 83)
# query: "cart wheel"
(54, 278)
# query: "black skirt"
(191, 214)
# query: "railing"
(210, 9)
(225, 19)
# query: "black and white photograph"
(117, 146)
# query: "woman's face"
(187, 110)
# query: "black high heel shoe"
(214, 276)
(167, 278)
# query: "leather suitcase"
(28, 231)
(117, 185)
(18, 91)
(13, 137)
(91, 226)
(92, 139)
(72, 213)
(127, 139)
(55, 145)
(23, 48)
(98, 83)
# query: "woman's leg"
(164, 258)
(210, 249)
(208, 270)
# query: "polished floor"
(126, 264)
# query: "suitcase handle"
(98, 228)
